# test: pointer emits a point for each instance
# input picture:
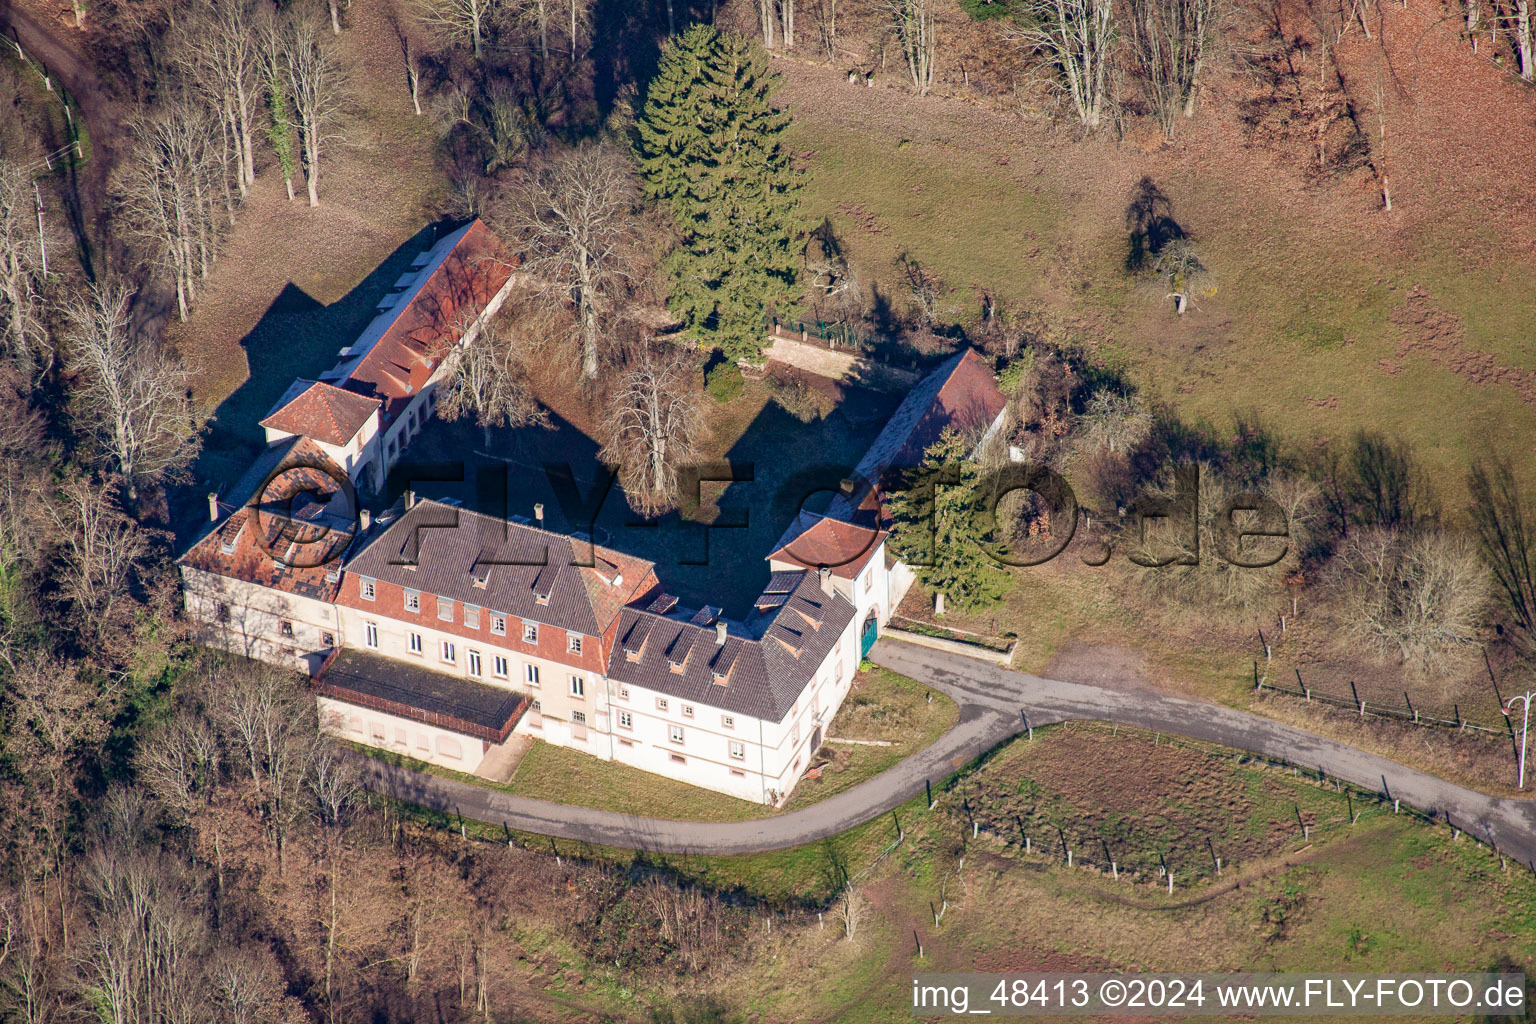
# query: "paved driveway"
(993, 704)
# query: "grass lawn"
(1314, 329)
(548, 772)
(881, 706)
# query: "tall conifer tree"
(711, 153)
(940, 528)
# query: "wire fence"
(1068, 845)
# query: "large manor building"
(440, 633)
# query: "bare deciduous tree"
(577, 218)
(489, 381)
(1077, 37)
(1416, 595)
(852, 909)
(131, 395)
(1178, 273)
(170, 189)
(916, 27)
(767, 21)
(410, 55)
(1114, 422)
(1169, 40)
(1205, 570)
(459, 20)
(826, 26)
(21, 263)
(578, 20)
(315, 85)
(100, 548)
(652, 427)
(219, 50)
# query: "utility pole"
(1524, 726)
(41, 241)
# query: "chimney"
(364, 519)
(410, 498)
(213, 506)
(719, 634)
(826, 580)
(538, 512)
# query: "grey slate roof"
(764, 677)
(519, 563)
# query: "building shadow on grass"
(712, 552)
(297, 336)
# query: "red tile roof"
(842, 547)
(398, 365)
(321, 411)
(289, 504)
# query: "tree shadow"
(627, 38)
(1149, 223)
(714, 550)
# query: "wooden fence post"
(1358, 702)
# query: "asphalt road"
(994, 703)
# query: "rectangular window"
(531, 673)
(285, 627)
(687, 710)
(738, 773)
(498, 624)
(626, 743)
(578, 686)
(413, 600)
(327, 640)
(371, 635)
(869, 579)
(530, 633)
(472, 616)
(445, 609)
(222, 612)
(449, 654)
(538, 706)
(728, 721)
(573, 643)
(679, 759)
(661, 703)
(626, 720)
(474, 663)
(675, 733)
(578, 718)
(623, 693)
(415, 643)
(499, 667)
(738, 750)
(366, 588)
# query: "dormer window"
(573, 643)
(367, 588)
(530, 633)
(413, 600)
